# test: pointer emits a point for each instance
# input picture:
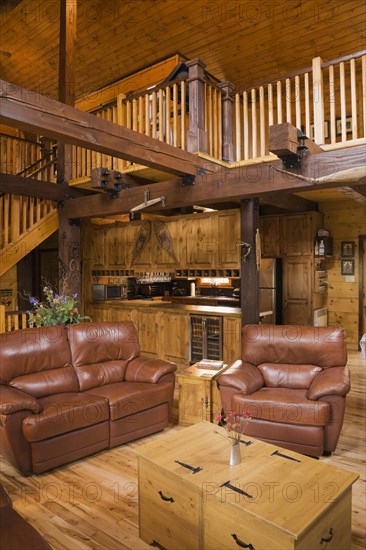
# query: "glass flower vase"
(235, 457)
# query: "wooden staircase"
(25, 221)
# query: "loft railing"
(327, 101)
(13, 320)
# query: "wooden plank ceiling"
(243, 41)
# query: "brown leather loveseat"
(293, 381)
(69, 391)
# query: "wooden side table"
(199, 397)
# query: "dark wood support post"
(69, 230)
(197, 136)
(227, 121)
(249, 285)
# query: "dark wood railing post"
(227, 121)
(249, 285)
(197, 136)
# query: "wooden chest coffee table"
(190, 498)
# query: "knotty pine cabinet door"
(297, 290)
(298, 233)
(174, 331)
(228, 231)
(201, 241)
(116, 243)
(148, 328)
(270, 233)
(232, 339)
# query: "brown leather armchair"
(293, 380)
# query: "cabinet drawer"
(170, 512)
(227, 526)
(332, 531)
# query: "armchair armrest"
(145, 369)
(245, 377)
(331, 381)
(13, 400)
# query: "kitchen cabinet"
(298, 290)
(200, 241)
(270, 233)
(174, 334)
(228, 231)
(148, 324)
(117, 249)
(100, 313)
(298, 232)
(97, 247)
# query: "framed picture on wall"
(339, 125)
(347, 267)
(326, 130)
(347, 249)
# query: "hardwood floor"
(92, 503)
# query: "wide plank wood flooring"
(93, 503)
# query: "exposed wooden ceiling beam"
(356, 193)
(289, 202)
(37, 113)
(256, 180)
(17, 185)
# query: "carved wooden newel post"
(227, 121)
(197, 136)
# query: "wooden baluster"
(16, 321)
(140, 115)
(215, 123)
(245, 125)
(262, 122)
(183, 125)
(175, 115)
(24, 320)
(147, 114)
(2, 319)
(342, 86)
(167, 115)
(270, 105)
(254, 122)
(161, 115)
(219, 133)
(6, 219)
(134, 115)
(38, 210)
(298, 101)
(24, 214)
(279, 102)
(120, 119)
(353, 98)
(238, 127)
(307, 104)
(318, 100)
(31, 211)
(154, 115)
(15, 217)
(288, 100)
(8, 323)
(332, 96)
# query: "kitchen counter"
(205, 300)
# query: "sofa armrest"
(13, 400)
(145, 369)
(245, 377)
(331, 381)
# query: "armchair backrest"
(100, 352)
(322, 347)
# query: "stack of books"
(210, 364)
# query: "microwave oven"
(101, 293)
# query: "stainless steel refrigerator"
(270, 290)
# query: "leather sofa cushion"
(294, 345)
(288, 376)
(128, 398)
(93, 343)
(283, 405)
(37, 361)
(64, 413)
(99, 374)
(101, 352)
